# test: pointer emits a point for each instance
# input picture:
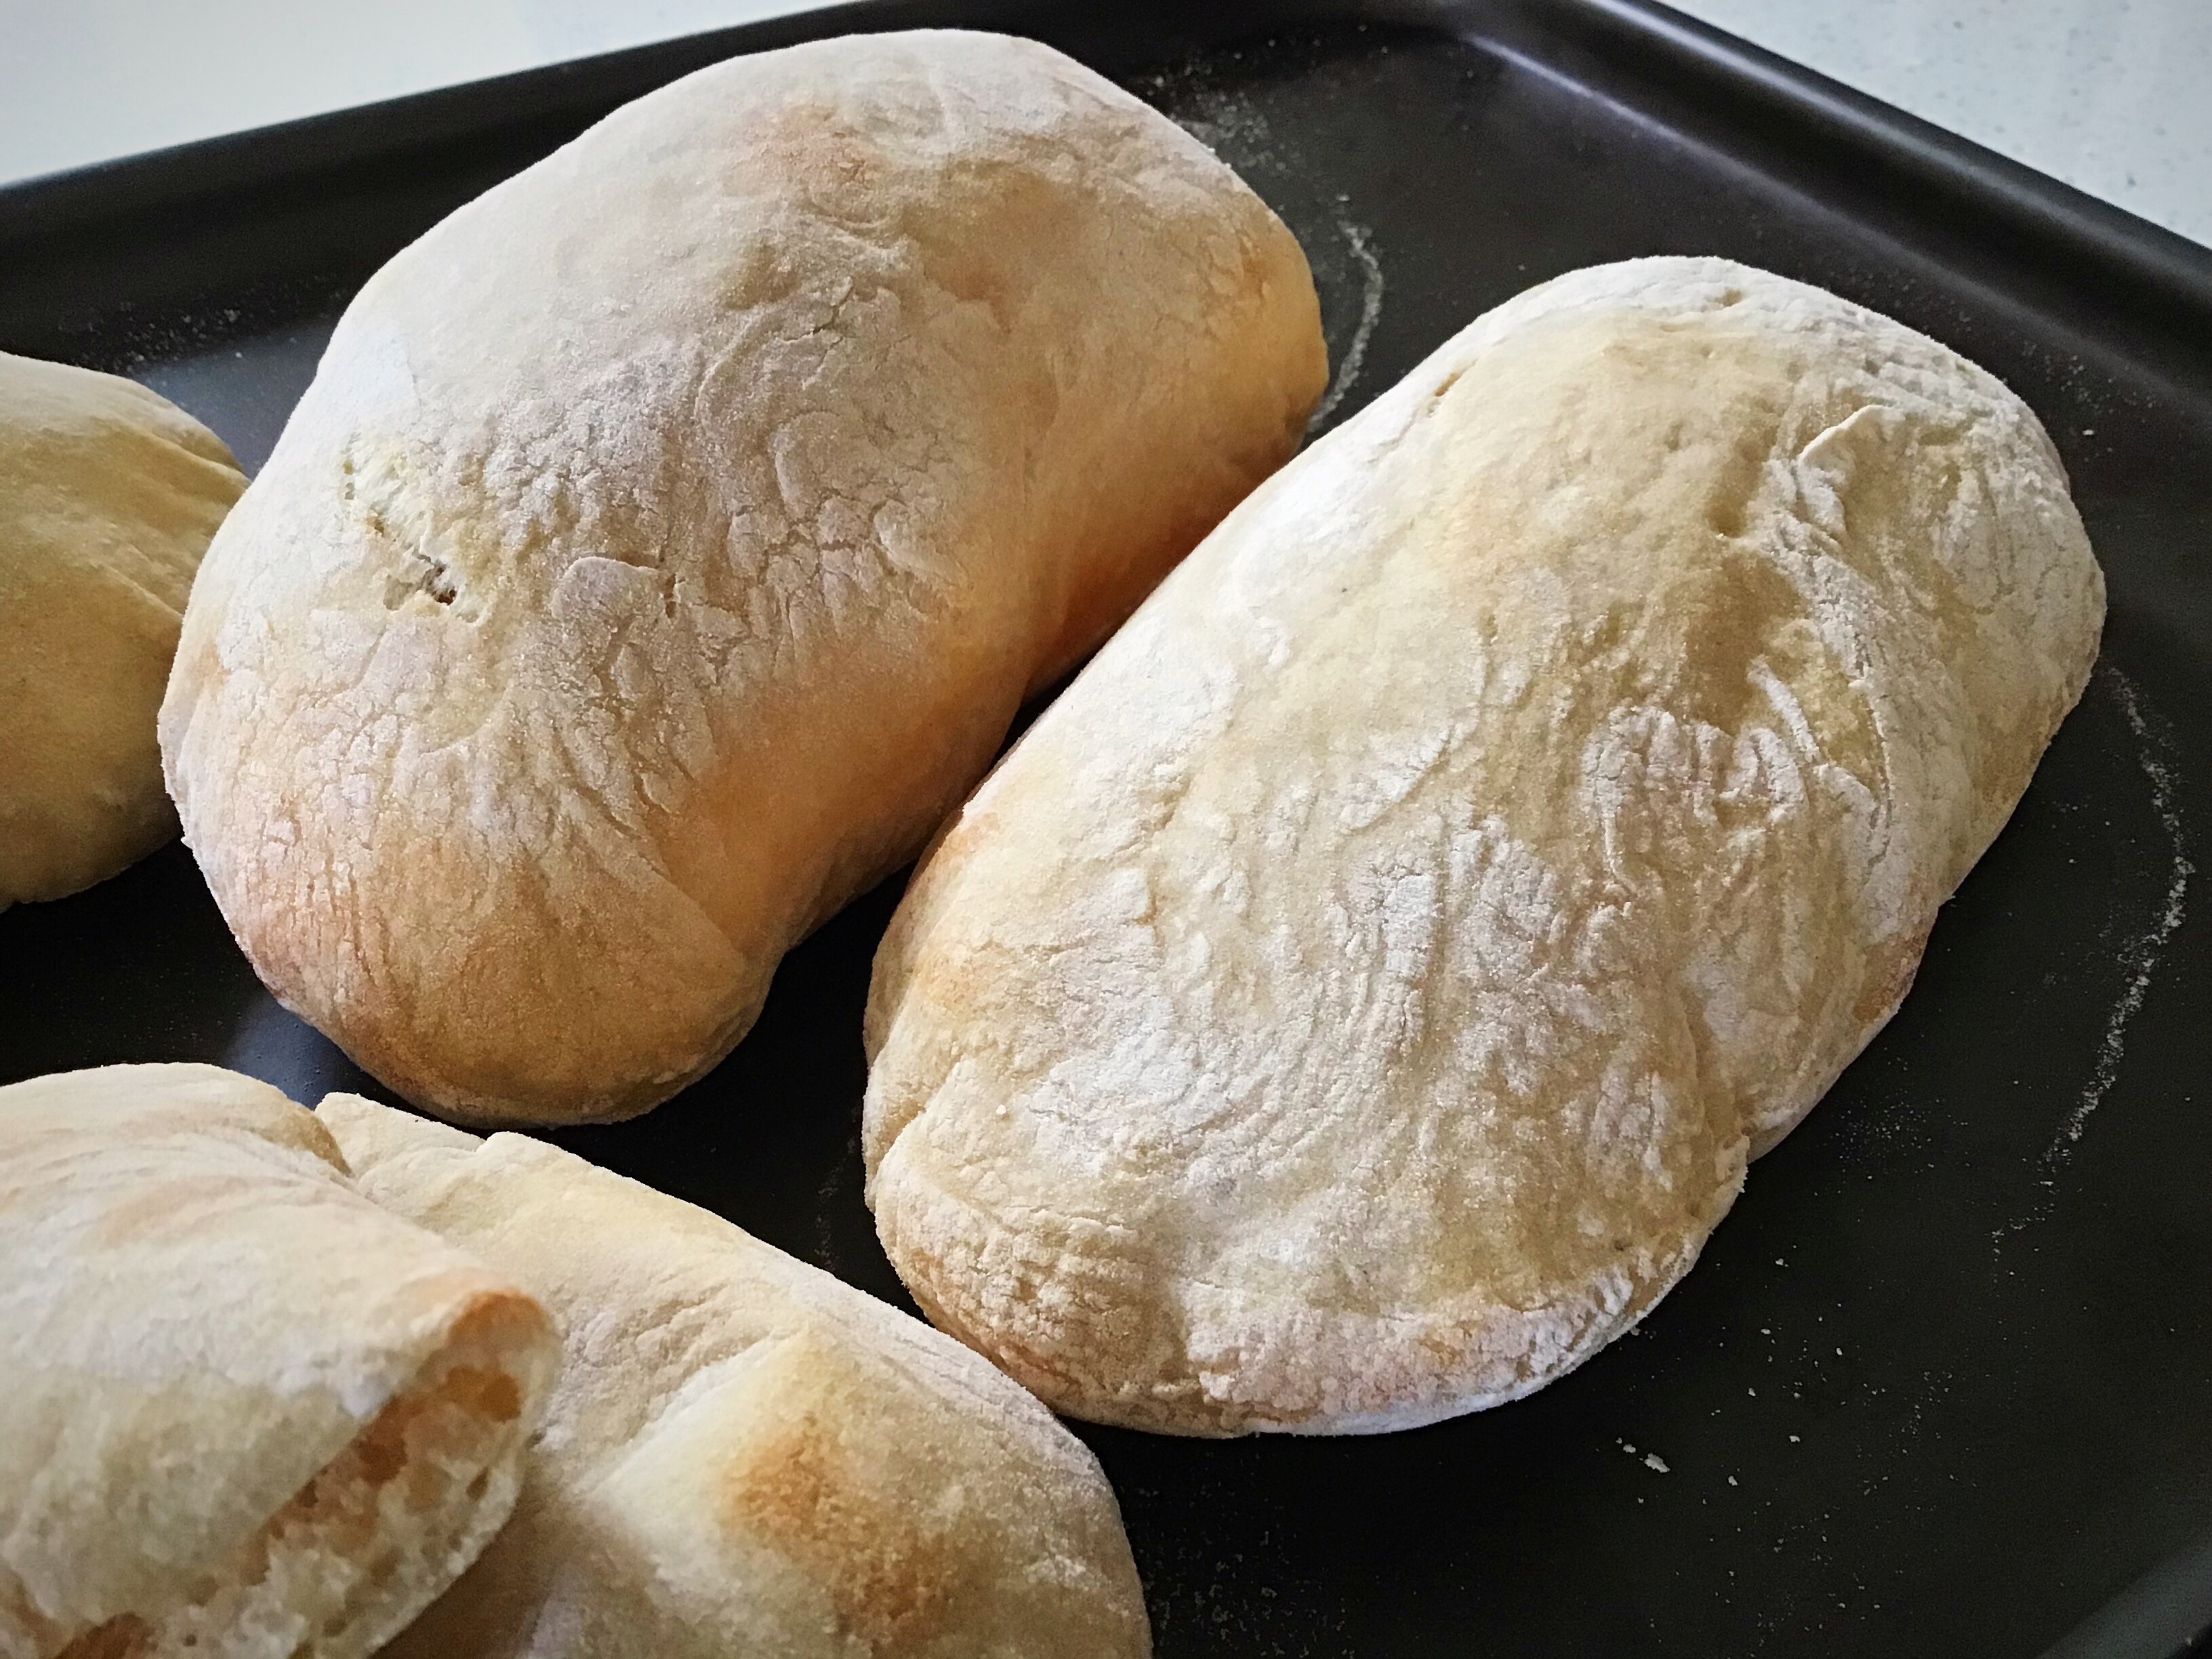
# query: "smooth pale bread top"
(669, 536)
(1356, 998)
(744, 1456)
(242, 1410)
(108, 494)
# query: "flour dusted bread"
(744, 1456)
(1355, 1001)
(244, 1413)
(108, 494)
(669, 536)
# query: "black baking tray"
(1943, 1383)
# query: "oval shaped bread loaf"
(108, 495)
(744, 1456)
(243, 1411)
(1354, 1002)
(668, 537)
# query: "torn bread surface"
(243, 1410)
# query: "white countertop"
(2112, 96)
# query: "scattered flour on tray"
(1358, 239)
(2141, 956)
(1229, 122)
(1650, 1460)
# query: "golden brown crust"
(746, 1456)
(108, 495)
(669, 537)
(1356, 998)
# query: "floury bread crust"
(108, 494)
(244, 1413)
(744, 1456)
(1355, 1001)
(669, 537)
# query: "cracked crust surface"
(243, 1411)
(669, 536)
(743, 1454)
(1356, 1000)
(108, 495)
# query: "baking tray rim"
(2033, 208)
(2136, 261)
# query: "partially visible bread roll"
(244, 1413)
(669, 537)
(744, 1456)
(1355, 999)
(108, 494)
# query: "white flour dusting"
(1650, 1460)
(2140, 958)
(1358, 239)
(1226, 120)
(1231, 124)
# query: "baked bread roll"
(744, 1456)
(244, 1413)
(108, 494)
(669, 536)
(1355, 1001)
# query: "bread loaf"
(1355, 1001)
(108, 494)
(668, 538)
(244, 1413)
(744, 1456)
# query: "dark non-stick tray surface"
(1943, 1383)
